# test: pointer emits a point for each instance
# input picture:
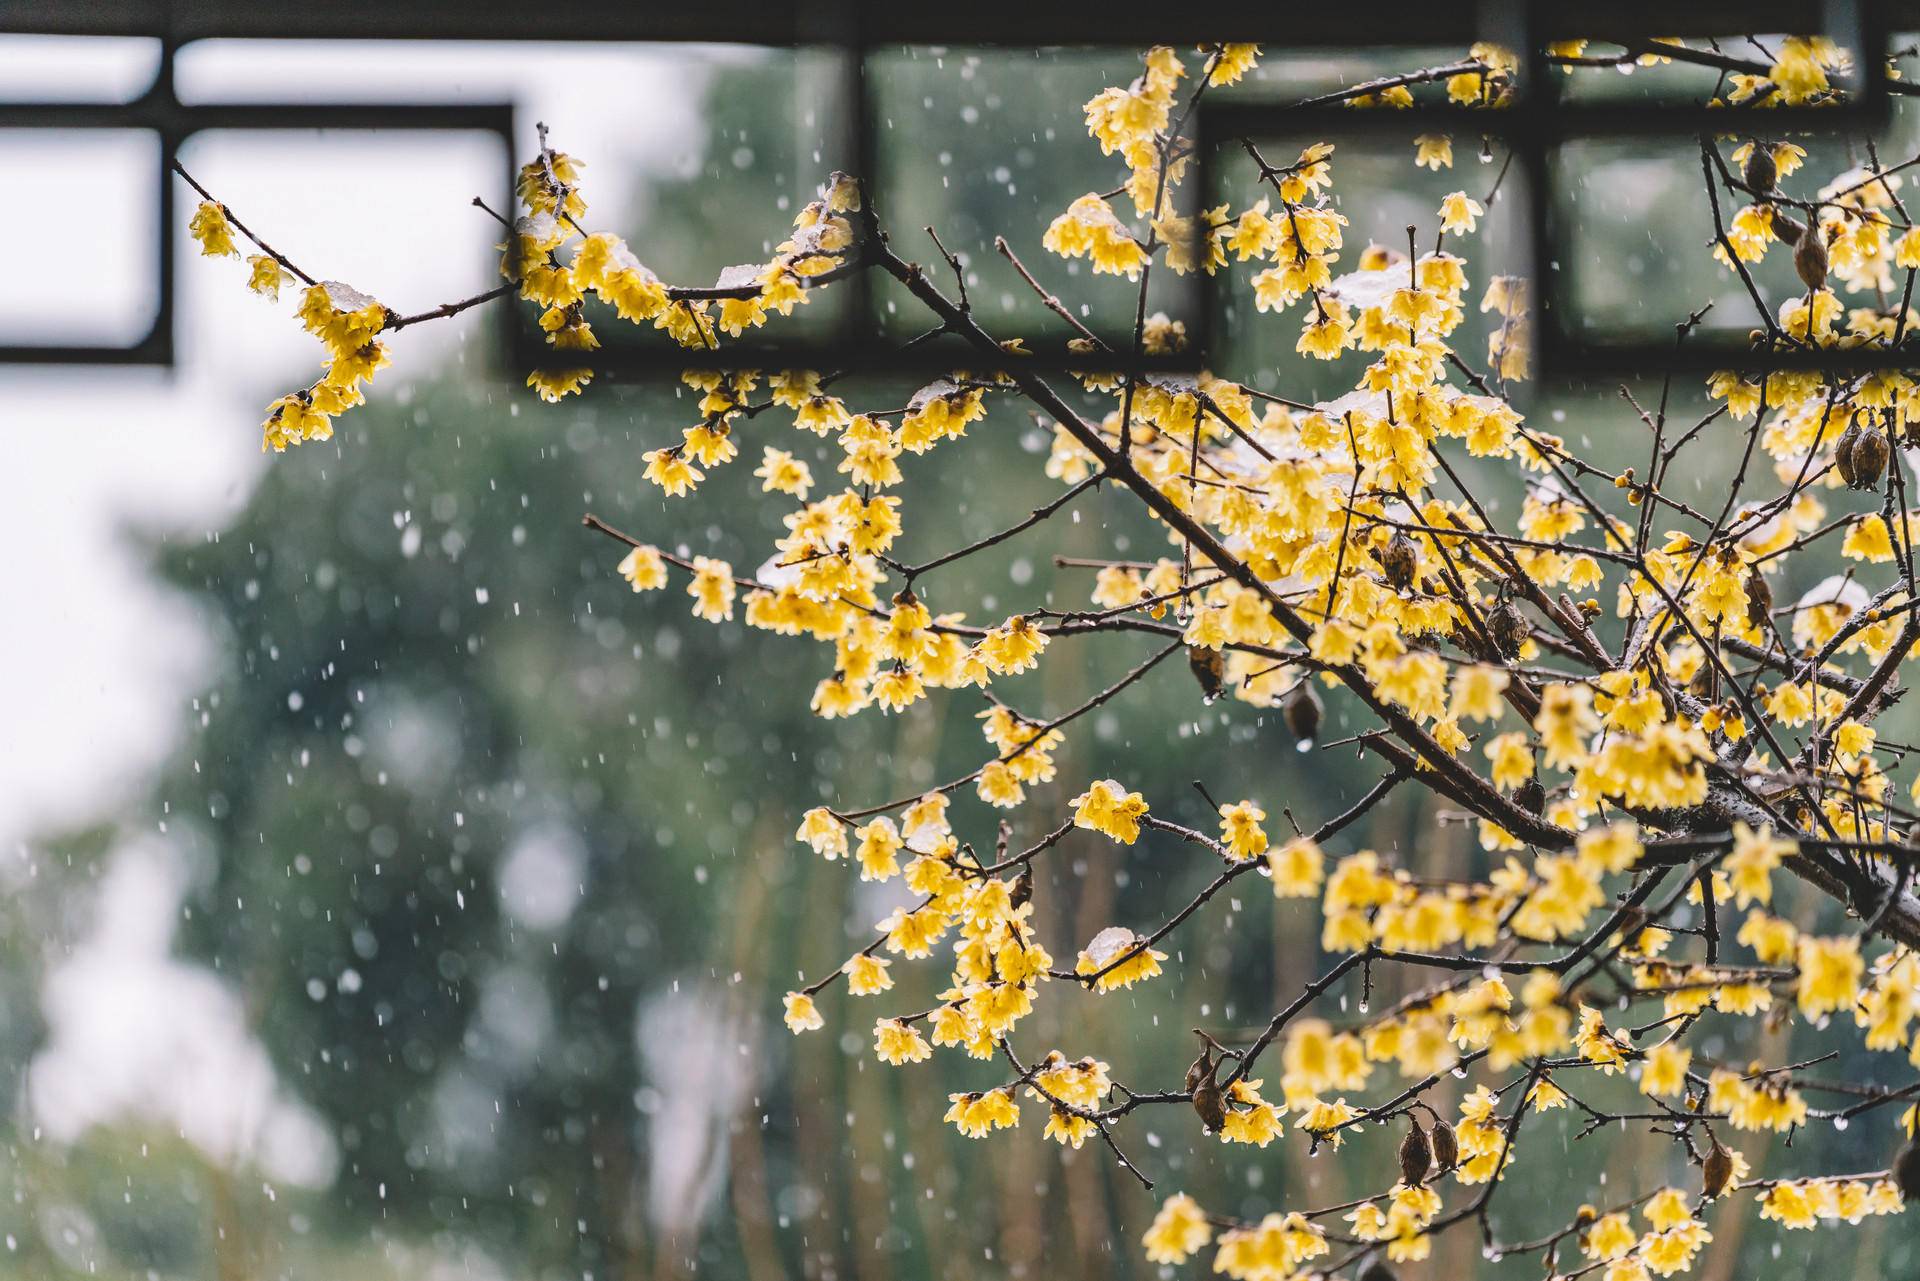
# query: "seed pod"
(1446, 1146)
(1201, 1068)
(1759, 599)
(1810, 256)
(1906, 1171)
(1399, 560)
(1209, 667)
(1508, 626)
(1760, 173)
(1378, 1271)
(1302, 711)
(1705, 683)
(1799, 813)
(1583, 1219)
(1531, 797)
(1209, 1103)
(1715, 1171)
(1843, 452)
(1416, 1155)
(1022, 892)
(1870, 455)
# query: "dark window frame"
(1534, 127)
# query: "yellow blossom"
(802, 1015)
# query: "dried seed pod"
(1843, 452)
(1416, 1155)
(1810, 256)
(1759, 599)
(1584, 1218)
(1531, 797)
(1760, 172)
(1399, 560)
(1200, 1069)
(1446, 1146)
(1209, 1103)
(1715, 1171)
(1022, 892)
(1508, 627)
(1302, 710)
(1209, 667)
(1870, 454)
(1906, 1171)
(1705, 683)
(1378, 1271)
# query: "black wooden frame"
(1537, 124)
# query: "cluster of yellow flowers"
(552, 260)
(1135, 121)
(1274, 1247)
(345, 321)
(1798, 74)
(1090, 229)
(998, 964)
(212, 230)
(602, 265)
(1332, 502)
(1668, 1245)
(1802, 1203)
(1309, 551)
